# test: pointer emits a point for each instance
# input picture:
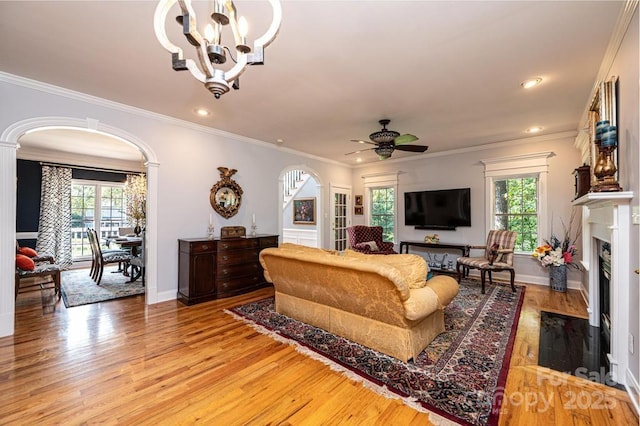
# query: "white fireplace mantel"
(606, 216)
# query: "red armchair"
(368, 239)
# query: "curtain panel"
(54, 229)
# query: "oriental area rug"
(460, 376)
(79, 289)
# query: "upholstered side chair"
(498, 256)
(368, 239)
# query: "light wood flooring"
(124, 362)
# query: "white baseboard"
(544, 281)
(633, 390)
(165, 296)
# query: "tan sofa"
(382, 302)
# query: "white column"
(151, 228)
(7, 236)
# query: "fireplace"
(604, 305)
(606, 219)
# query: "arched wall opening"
(286, 233)
(9, 143)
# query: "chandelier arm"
(159, 20)
(266, 39)
(205, 64)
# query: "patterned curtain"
(54, 230)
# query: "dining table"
(132, 243)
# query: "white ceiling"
(448, 72)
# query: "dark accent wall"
(28, 191)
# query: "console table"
(213, 269)
(464, 250)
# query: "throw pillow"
(27, 251)
(493, 253)
(25, 263)
(371, 245)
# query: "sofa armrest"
(445, 287)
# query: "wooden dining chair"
(101, 258)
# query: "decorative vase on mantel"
(137, 229)
(558, 278)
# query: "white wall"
(462, 169)
(625, 66)
(188, 157)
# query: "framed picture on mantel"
(304, 211)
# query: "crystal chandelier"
(209, 48)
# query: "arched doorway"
(300, 187)
(9, 142)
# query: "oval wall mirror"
(226, 195)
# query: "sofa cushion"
(412, 266)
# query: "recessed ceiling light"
(528, 84)
(534, 129)
(202, 112)
(279, 141)
(358, 160)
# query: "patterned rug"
(460, 376)
(79, 289)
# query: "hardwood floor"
(124, 362)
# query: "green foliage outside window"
(516, 209)
(383, 211)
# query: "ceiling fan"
(386, 141)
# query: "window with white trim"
(516, 191)
(381, 201)
(98, 205)
(383, 211)
(516, 209)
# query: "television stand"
(464, 250)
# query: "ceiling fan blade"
(359, 151)
(405, 139)
(361, 141)
(412, 148)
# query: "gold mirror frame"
(226, 195)
(603, 107)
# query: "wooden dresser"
(212, 269)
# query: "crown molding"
(83, 97)
(571, 134)
(619, 31)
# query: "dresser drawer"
(269, 242)
(237, 285)
(202, 247)
(232, 271)
(237, 244)
(237, 256)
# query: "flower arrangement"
(135, 190)
(556, 251)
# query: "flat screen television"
(440, 209)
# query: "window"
(91, 200)
(516, 209)
(383, 211)
(517, 197)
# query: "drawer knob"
(205, 247)
(225, 257)
(226, 246)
